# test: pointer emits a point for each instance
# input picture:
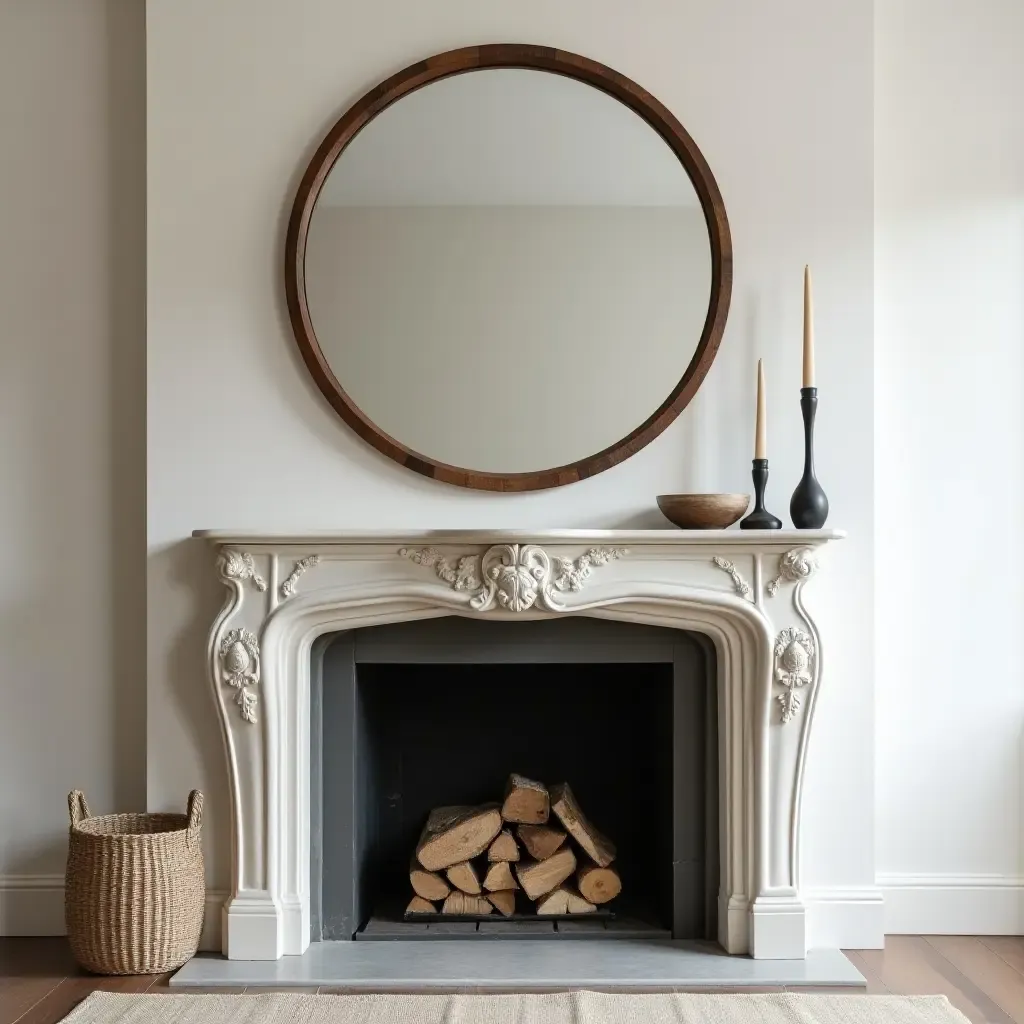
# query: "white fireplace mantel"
(742, 589)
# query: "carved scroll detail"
(794, 566)
(240, 565)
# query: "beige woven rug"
(558, 1008)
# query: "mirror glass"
(508, 270)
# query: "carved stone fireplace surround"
(744, 590)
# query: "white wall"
(72, 401)
(239, 94)
(949, 451)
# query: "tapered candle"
(808, 331)
(760, 430)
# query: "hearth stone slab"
(524, 966)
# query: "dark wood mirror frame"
(474, 58)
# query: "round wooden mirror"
(508, 267)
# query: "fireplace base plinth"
(777, 928)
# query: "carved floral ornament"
(240, 666)
(301, 566)
(514, 576)
(740, 585)
(794, 651)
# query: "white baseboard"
(953, 904)
(836, 918)
(845, 918)
(34, 905)
(210, 940)
(31, 904)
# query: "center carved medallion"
(514, 577)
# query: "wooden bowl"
(703, 511)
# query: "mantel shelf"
(712, 538)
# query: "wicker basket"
(134, 890)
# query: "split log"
(503, 848)
(455, 834)
(578, 905)
(505, 901)
(564, 901)
(463, 876)
(538, 877)
(426, 884)
(540, 840)
(556, 902)
(599, 885)
(525, 801)
(460, 903)
(418, 905)
(498, 877)
(597, 847)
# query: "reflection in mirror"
(508, 270)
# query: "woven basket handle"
(195, 818)
(77, 807)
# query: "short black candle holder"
(809, 507)
(760, 518)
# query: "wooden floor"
(983, 977)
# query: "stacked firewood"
(473, 860)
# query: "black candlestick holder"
(809, 507)
(760, 518)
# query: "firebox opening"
(410, 717)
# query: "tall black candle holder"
(809, 507)
(760, 518)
